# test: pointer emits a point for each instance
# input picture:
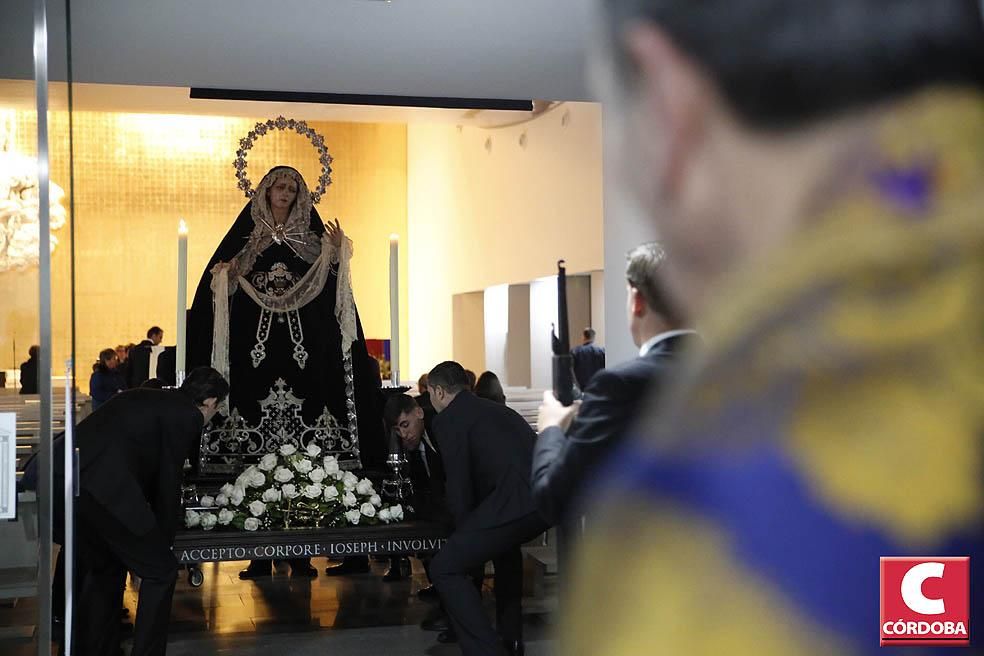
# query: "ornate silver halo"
(281, 123)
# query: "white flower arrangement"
(268, 462)
(293, 488)
(208, 521)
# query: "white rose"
(331, 492)
(226, 516)
(349, 500)
(317, 475)
(282, 475)
(384, 515)
(237, 496)
(242, 481)
(221, 500)
(375, 500)
(268, 462)
(304, 465)
(350, 480)
(313, 450)
(353, 516)
(397, 512)
(287, 450)
(257, 508)
(207, 501)
(271, 495)
(339, 475)
(364, 487)
(313, 491)
(368, 510)
(208, 521)
(251, 524)
(257, 478)
(290, 491)
(192, 519)
(226, 489)
(331, 465)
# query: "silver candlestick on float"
(396, 487)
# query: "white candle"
(395, 309)
(182, 301)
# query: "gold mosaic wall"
(137, 174)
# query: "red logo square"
(925, 601)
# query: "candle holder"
(397, 488)
(189, 495)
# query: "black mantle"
(404, 538)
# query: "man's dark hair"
(589, 333)
(154, 330)
(642, 271)
(205, 383)
(397, 405)
(450, 375)
(34, 351)
(785, 63)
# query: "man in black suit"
(131, 455)
(29, 371)
(404, 416)
(487, 450)
(588, 359)
(567, 454)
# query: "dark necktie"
(422, 450)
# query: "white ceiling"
(521, 49)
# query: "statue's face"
(282, 194)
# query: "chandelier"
(19, 203)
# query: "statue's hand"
(335, 233)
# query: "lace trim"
(344, 298)
(295, 232)
(302, 293)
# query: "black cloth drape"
(319, 385)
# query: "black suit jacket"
(487, 450)
(588, 360)
(562, 463)
(429, 496)
(131, 454)
(29, 376)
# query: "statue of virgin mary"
(274, 312)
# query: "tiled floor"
(356, 614)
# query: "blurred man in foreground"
(568, 455)
(816, 170)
